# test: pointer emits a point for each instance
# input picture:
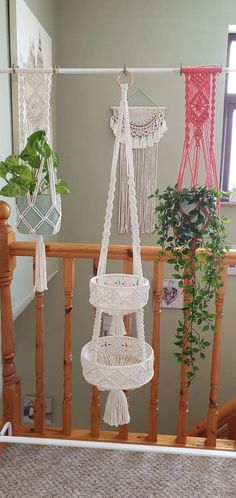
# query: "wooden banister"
(68, 281)
(215, 365)
(96, 397)
(123, 429)
(91, 251)
(39, 405)
(11, 387)
(226, 414)
(154, 401)
(69, 253)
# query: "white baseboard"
(17, 310)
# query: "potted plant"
(28, 178)
(188, 221)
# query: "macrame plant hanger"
(118, 361)
(200, 96)
(34, 90)
(147, 126)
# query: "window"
(228, 162)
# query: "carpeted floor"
(36, 471)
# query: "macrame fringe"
(145, 170)
(117, 326)
(116, 410)
(40, 265)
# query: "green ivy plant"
(20, 171)
(186, 222)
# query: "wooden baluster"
(11, 386)
(68, 280)
(154, 401)
(231, 429)
(127, 268)
(182, 424)
(215, 365)
(96, 397)
(39, 405)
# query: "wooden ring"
(129, 76)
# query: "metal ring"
(13, 68)
(181, 69)
(129, 76)
(54, 69)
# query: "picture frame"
(28, 409)
(30, 46)
(172, 295)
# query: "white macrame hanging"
(34, 91)
(147, 127)
(119, 362)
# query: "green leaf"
(3, 170)
(34, 160)
(12, 189)
(62, 187)
(55, 159)
(35, 137)
(11, 161)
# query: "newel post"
(11, 388)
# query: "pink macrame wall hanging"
(200, 93)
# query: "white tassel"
(117, 326)
(40, 266)
(116, 410)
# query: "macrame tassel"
(117, 326)
(116, 410)
(40, 265)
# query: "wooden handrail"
(91, 251)
(226, 413)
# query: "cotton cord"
(40, 265)
(116, 410)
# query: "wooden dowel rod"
(215, 365)
(154, 401)
(68, 283)
(96, 397)
(39, 406)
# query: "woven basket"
(38, 218)
(118, 363)
(119, 293)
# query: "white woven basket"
(117, 363)
(119, 293)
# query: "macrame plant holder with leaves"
(118, 361)
(37, 214)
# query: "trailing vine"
(188, 221)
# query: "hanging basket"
(189, 213)
(117, 362)
(119, 293)
(41, 216)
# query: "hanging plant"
(186, 222)
(20, 172)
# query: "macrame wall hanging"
(118, 361)
(147, 127)
(37, 214)
(200, 95)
